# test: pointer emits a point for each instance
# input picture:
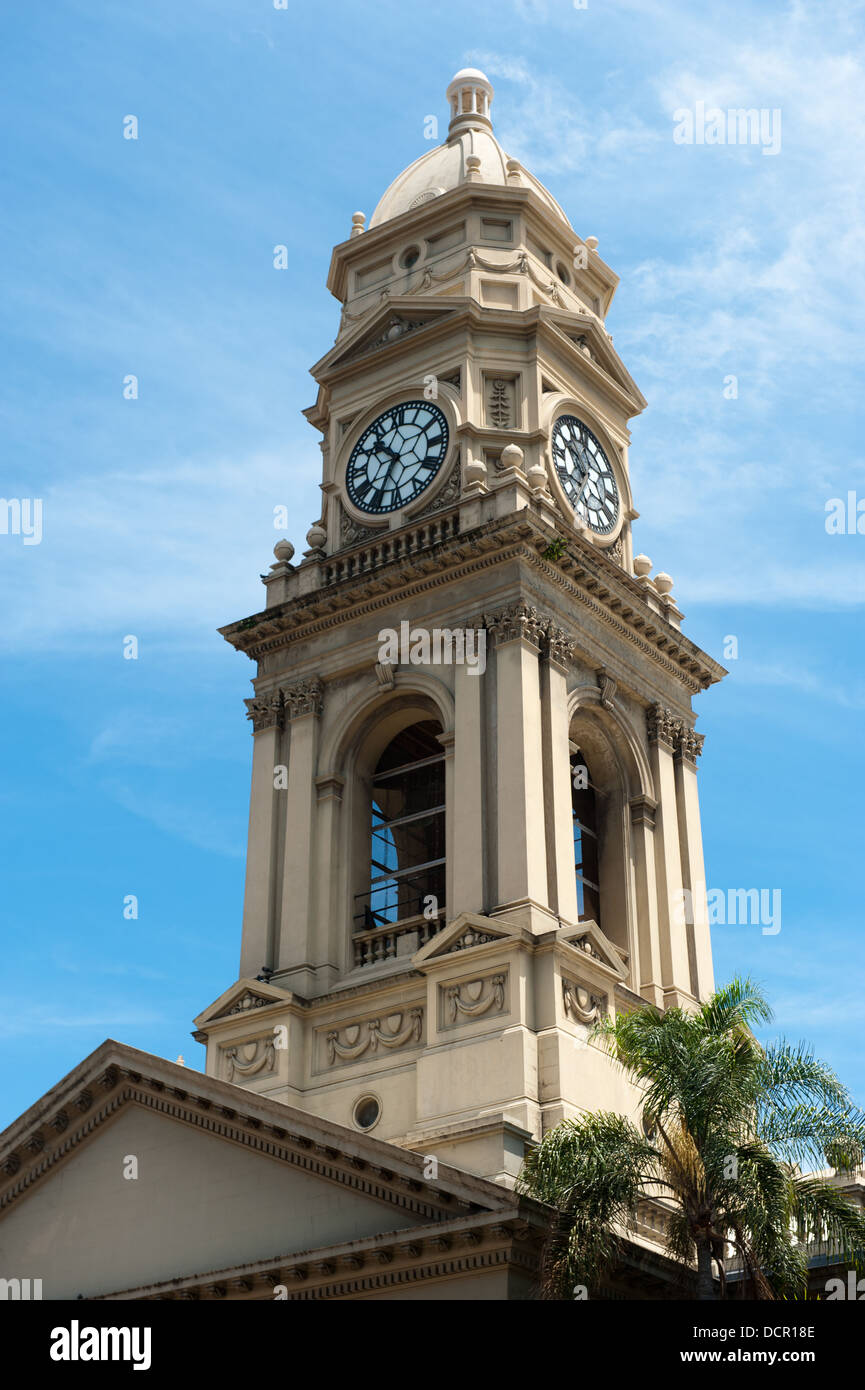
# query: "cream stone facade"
(467, 1032)
(455, 867)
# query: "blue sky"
(154, 257)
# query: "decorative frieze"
(470, 938)
(351, 1041)
(446, 496)
(351, 533)
(256, 1057)
(248, 1001)
(473, 998)
(580, 1004)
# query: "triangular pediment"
(389, 324)
(586, 336)
(173, 1173)
(243, 997)
(465, 932)
(591, 942)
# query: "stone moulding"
(598, 585)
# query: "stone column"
(649, 979)
(562, 883)
(260, 894)
(689, 746)
(297, 946)
(332, 938)
(675, 965)
(465, 801)
(522, 858)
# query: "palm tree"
(726, 1123)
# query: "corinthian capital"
(559, 646)
(265, 711)
(303, 698)
(689, 745)
(518, 620)
(663, 725)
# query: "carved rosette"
(304, 698)
(519, 621)
(662, 725)
(472, 998)
(348, 1043)
(581, 1005)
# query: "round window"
(366, 1112)
(562, 273)
(410, 257)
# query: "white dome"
(443, 168)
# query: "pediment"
(591, 942)
(174, 1173)
(465, 932)
(585, 334)
(391, 323)
(245, 996)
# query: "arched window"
(586, 847)
(407, 832)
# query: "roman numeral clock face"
(397, 457)
(585, 473)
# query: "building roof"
(470, 137)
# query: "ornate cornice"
(588, 579)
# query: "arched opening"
(600, 798)
(587, 858)
(402, 902)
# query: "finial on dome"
(470, 94)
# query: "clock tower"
(474, 823)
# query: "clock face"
(397, 457)
(585, 473)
